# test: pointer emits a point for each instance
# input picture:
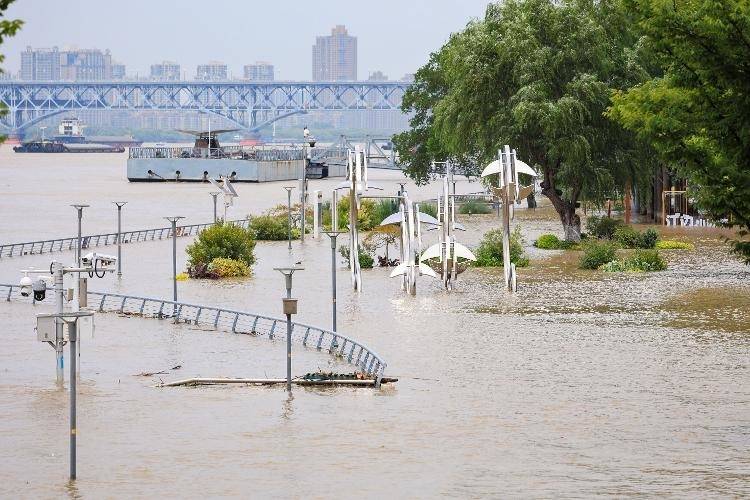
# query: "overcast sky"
(394, 36)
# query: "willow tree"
(538, 75)
(7, 28)
(697, 115)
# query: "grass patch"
(471, 207)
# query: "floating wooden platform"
(274, 381)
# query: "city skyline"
(397, 47)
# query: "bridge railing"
(97, 240)
(340, 346)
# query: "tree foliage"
(538, 75)
(8, 28)
(696, 114)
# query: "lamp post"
(214, 195)
(79, 208)
(42, 129)
(174, 220)
(308, 140)
(333, 235)
(290, 307)
(119, 205)
(289, 213)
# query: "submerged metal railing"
(340, 346)
(96, 240)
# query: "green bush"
(596, 254)
(383, 209)
(640, 261)
(228, 268)
(674, 245)
(366, 217)
(429, 209)
(490, 250)
(602, 227)
(648, 238)
(470, 207)
(272, 228)
(548, 242)
(626, 236)
(366, 261)
(222, 240)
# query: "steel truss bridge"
(247, 105)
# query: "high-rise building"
(85, 65)
(118, 71)
(165, 71)
(377, 76)
(70, 64)
(211, 71)
(40, 64)
(259, 72)
(334, 57)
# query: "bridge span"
(247, 105)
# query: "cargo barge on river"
(208, 159)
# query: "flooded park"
(581, 383)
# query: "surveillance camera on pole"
(225, 186)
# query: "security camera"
(26, 286)
(40, 289)
(98, 260)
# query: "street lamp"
(174, 220)
(290, 307)
(79, 208)
(119, 205)
(214, 195)
(333, 235)
(42, 129)
(289, 213)
(308, 140)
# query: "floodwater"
(581, 384)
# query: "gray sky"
(394, 36)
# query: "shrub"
(548, 242)
(470, 207)
(647, 239)
(626, 236)
(366, 261)
(674, 245)
(366, 217)
(490, 250)
(640, 261)
(382, 209)
(646, 260)
(429, 209)
(272, 228)
(228, 268)
(220, 241)
(602, 227)
(596, 254)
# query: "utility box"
(45, 325)
(290, 306)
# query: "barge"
(208, 159)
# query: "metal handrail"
(96, 240)
(223, 152)
(340, 346)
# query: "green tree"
(8, 28)
(696, 114)
(538, 75)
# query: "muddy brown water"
(581, 384)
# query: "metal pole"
(174, 220)
(333, 279)
(72, 334)
(119, 205)
(214, 195)
(289, 215)
(334, 211)
(58, 325)
(289, 352)
(303, 190)
(79, 209)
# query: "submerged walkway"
(96, 240)
(340, 346)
